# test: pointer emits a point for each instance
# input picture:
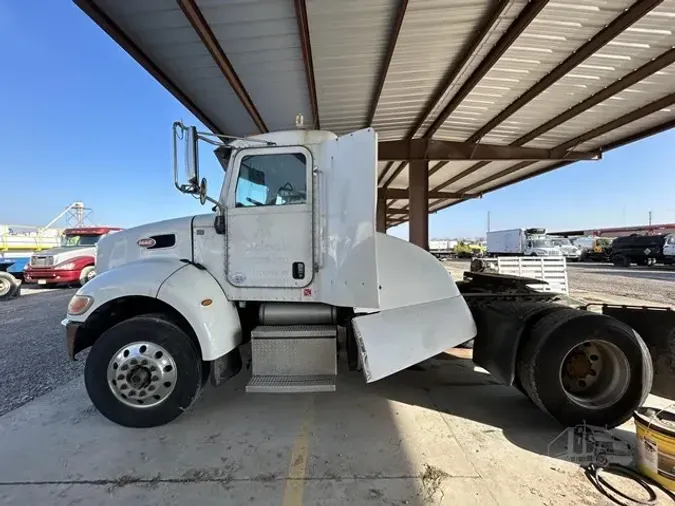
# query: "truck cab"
(287, 261)
(73, 262)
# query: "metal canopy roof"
(519, 87)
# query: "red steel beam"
(306, 47)
(393, 39)
(116, 33)
(526, 16)
(209, 40)
(639, 9)
(625, 82)
(660, 128)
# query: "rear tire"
(621, 261)
(603, 388)
(178, 391)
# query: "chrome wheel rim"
(595, 374)
(91, 275)
(142, 374)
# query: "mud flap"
(394, 339)
(656, 326)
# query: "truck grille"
(41, 261)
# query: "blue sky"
(82, 121)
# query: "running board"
(290, 384)
(293, 358)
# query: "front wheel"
(143, 372)
(8, 285)
(87, 274)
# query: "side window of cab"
(275, 179)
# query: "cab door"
(269, 218)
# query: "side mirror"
(191, 155)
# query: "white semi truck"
(288, 261)
(521, 242)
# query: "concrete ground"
(443, 434)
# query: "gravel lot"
(33, 359)
(655, 284)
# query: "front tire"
(8, 285)
(143, 372)
(87, 274)
(585, 368)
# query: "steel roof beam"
(196, 19)
(114, 31)
(393, 39)
(627, 81)
(639, 9)
(306, 47)
(624, 120)
(430, 149)
(402, 194)
(526, 16)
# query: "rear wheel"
(621, 261)
(585, 367)
(143, 372)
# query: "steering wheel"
(254, 202)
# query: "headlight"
(65, 267)
(79, 304)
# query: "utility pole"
(650, 218)
(488, 221)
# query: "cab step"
(293, 358)
(290, 384)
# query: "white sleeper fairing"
(421, 311)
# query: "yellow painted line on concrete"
(295, 480)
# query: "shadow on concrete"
(455, 387)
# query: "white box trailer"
(288, 269)
(519, 241)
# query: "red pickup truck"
(72, 263)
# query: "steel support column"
(381, 215)
(418, 176)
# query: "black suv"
(638, 249)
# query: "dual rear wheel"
(585, 368)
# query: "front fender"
(199, 298)
(143, 277)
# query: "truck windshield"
(542, 243)
(562, 242)
(74, 241)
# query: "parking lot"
(441, 433)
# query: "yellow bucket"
(656, 445)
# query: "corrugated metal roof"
(349, 41)
(431, 38)
(161, 29)
(558, 30)
(260, 38)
